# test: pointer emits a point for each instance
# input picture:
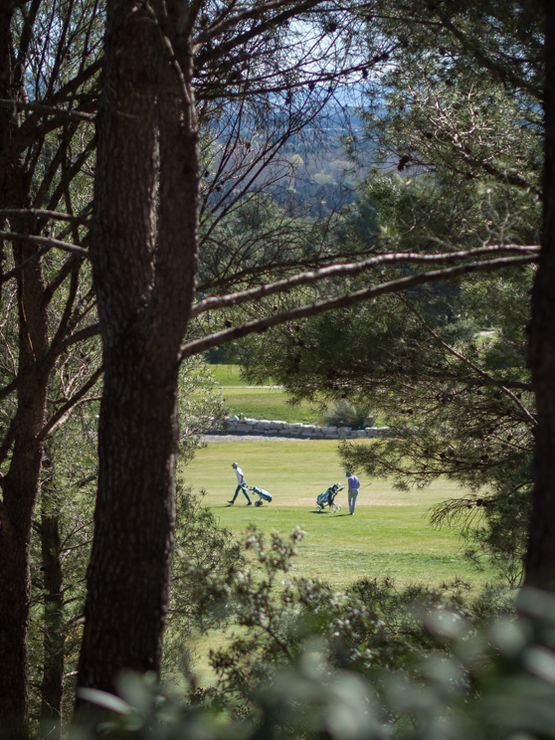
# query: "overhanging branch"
(44, 213)
(197, 346)
(528, 254)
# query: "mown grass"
(227, 375)
(269, 403)
(265, 402)
(261, 402)
(389, 535)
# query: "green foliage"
(460, 103)
(203, 552)
(62, 535)
(444, 365)
(256, 236)
(66, 505)
(371, 625)
(335, 670)
(201, 407)
(406, 637)
(494, 527)
(350, 414)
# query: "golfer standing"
(354, 484)
(241, 485)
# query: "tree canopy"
(168, 245)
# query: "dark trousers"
(241, 488)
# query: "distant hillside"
(324, 177)
(313, 174)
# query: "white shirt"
(239, 474)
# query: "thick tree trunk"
(143, 258)
(540, 559)
(127, 577)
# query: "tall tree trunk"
(52, 684)
(143, 259)
(21, 482)
(19, 487)
(540, 559)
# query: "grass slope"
(269, 403)
(261, 402)
(227, 375)
(389, 535)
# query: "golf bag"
(327, 498)
(262, 495)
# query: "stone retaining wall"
(270, 428)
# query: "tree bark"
(20, 486)
(143, 251)
(52, 685)
(540, 558)
(21, 482)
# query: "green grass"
(269, 403)
(261, 402)
(389, 535)
(227, 375)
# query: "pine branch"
(486, 376)
(45, 242)
(529, 254)
(215, 339)
(60, 417)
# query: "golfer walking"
(241, 485)
(354, 484)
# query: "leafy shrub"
(491, 683)
(345, 413)
(376, 662)
(203, 552)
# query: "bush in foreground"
(496, 682)
(308, 662)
